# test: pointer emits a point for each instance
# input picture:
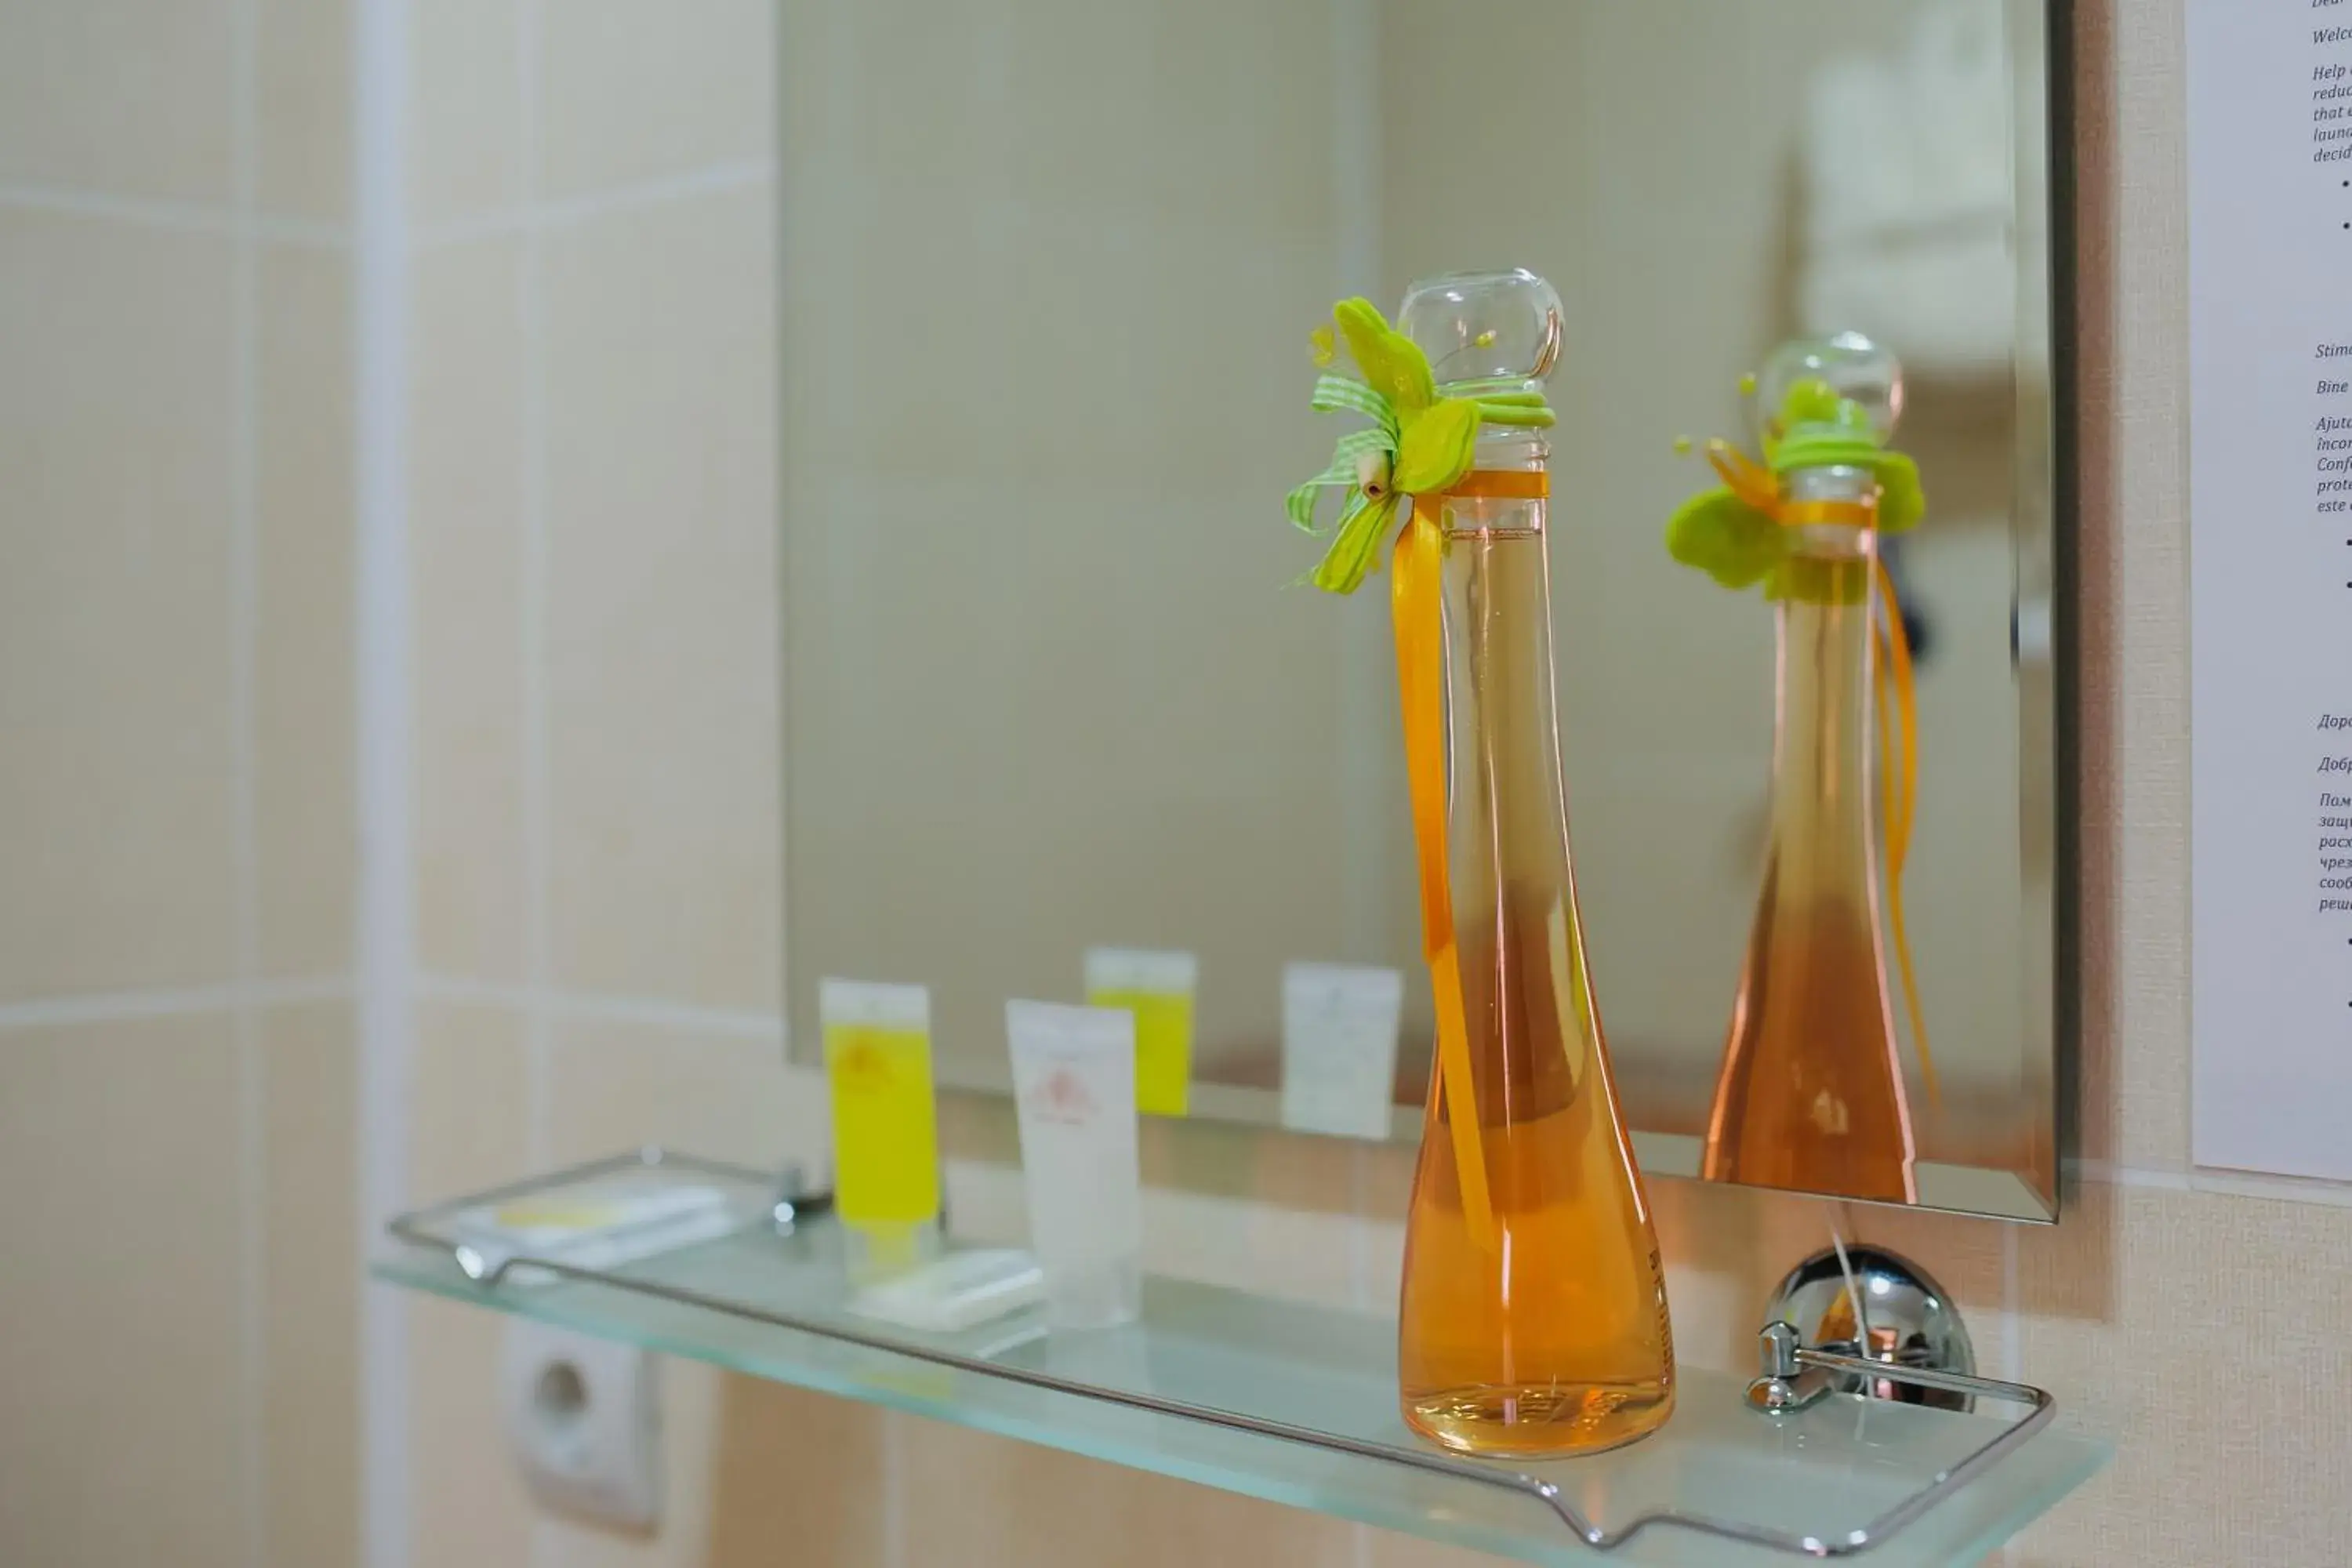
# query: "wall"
(594, 698)
(2225, 1284)
(176, 1066)
(589, 219)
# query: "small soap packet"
(1157, 989)
(600, 1225)
(960, 1291)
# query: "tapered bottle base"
(1541, 1421)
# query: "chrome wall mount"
(1863, 1320)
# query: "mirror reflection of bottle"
(1810, 1092)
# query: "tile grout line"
(532, 214)
(531, 614)
(765, 1028)
(245, 595)
(167, 1000)
(234, 222)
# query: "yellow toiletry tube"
(877, 1060)
(1157, 987)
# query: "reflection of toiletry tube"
(1074, 1084)
(1339, 1047)
(1157, 987)
(877, 1058)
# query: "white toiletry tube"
(1073, 1083)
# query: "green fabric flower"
(1733, 532)
(1419, 444)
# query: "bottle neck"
(1508, 813)
(1835, 483)
(1500, 449)
(1823, 729)
(1503, 735)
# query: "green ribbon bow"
(1738, 533)
(1419, 444)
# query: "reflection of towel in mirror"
(1910, 194)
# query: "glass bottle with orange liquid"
(1532, 1318)
(1811, 1093)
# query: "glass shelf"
(1278, 1400)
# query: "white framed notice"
(2270, 211)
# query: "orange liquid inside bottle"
(1811, 1093)
(1549, 1336)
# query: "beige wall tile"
(123, 97)
(468, 1505)
(1389, 1549)
(121, 1392)
(466, 109)
(639, 89)
(469, 1122)
(466, 499)
(304, 718)
(468, 1130)
(970, 1500)
(115, 792)
(302, 112)
(311, 1251)
(1719, 1271)
(795, 1468)
(664, 814)
(758, 1472)
(617, 1085)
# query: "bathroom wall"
(591, 522)
(594, 766)
(2223, 1283)
(177, 1369)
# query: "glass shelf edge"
(1378, 1491)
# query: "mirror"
(1049, 271)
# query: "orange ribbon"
(1417, 605)
(1759, 488)
(1898, 789)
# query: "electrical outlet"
(583, 1416)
